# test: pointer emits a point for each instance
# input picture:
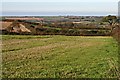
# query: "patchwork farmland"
(60, 47)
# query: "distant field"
(59, 57)
(4, 25)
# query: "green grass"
(6, 37)
(59, 57)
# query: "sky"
(59, 7)
(60, 0)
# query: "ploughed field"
(55, 56)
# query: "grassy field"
(59, 57)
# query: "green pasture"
(55, 56)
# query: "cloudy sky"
(59, 7)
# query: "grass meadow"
(55, 56)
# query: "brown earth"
(4, 25)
